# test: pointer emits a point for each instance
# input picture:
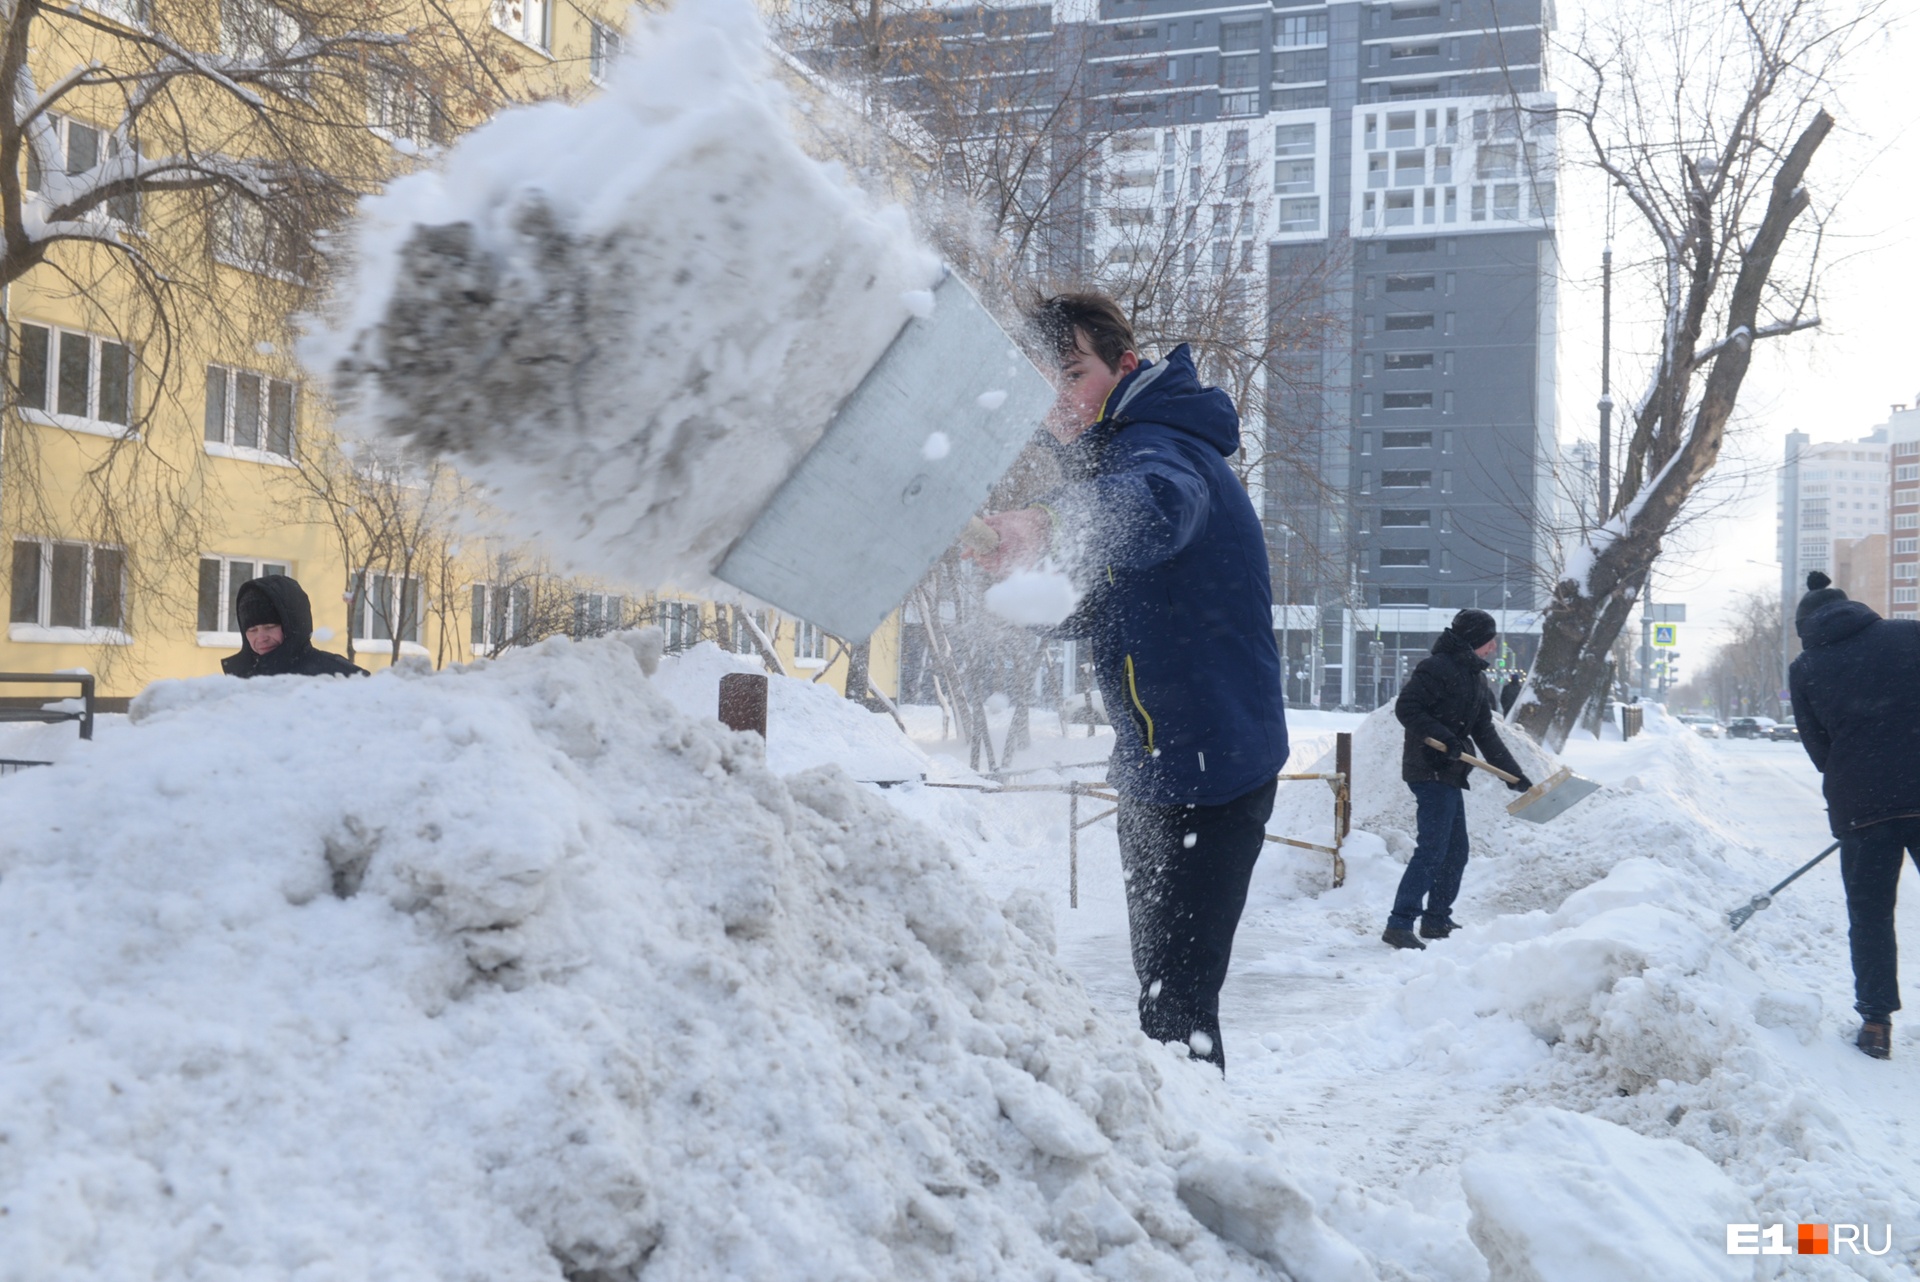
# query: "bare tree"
(1708, 130)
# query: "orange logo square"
(1813, 1239)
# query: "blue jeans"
(1439, 856)
(1870, 860)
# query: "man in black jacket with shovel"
(1447, 698)
(1856, 701)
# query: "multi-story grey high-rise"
(1402, 155)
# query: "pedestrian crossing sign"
(1666, 634)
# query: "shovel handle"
(1494, 770)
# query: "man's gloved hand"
(1454, 749)
(1522, 784)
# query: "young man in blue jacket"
(1161, 538)
(1856, 701)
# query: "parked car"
(1704, 726)
(1784, 732)
(1751, 728)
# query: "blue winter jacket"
(1161, 537)
(1856, 701)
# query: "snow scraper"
(902, 466)
(1548, 799)
(1738, 917)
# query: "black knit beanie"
(1475, 627)
(255, 608)
(1820, 592)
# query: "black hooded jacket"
(1448, 699)
(1856, 701)
(295, 656)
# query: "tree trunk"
(1671, 453)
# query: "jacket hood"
(1834, 622)
(296, 621)
(1452, 643)
(1170, 392)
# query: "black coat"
(295, 655)
(1856, 700)
(1448, 699)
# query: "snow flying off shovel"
(1548, 799)
(880, 496)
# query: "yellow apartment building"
(161, 445)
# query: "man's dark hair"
(1054, 320)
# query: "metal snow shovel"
(1548, 799)
(879, 498)
(1738, 917)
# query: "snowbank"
(516, 971)
(630, 318)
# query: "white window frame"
(40, 629)
(528, 21)
(682, 622)
(809, 645)
(226, 633)
(400, 110)
(110, 213)
(229, 376)
(498, 615)
(363, 626)
(591, 610)
(603, 47)
(237, 222)
(47, 413)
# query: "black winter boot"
(1431, 929)
(1875, 1039)
(1401, 938)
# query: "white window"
(1906, 547)
(76, 380)
(1302, 32)
(680, 620)
(77, 588)
(256, 31)
(524, 20)
(809, 642)
(603, 47)
(1906, 596)
(248, 411)
(1906, 520)
(500, 616)
(1907, 571)
(1906, 472)
(220, 581)
(597, 613)
(401, 108)
(1300, 214)
(1902, 498)
(384, 604)
(79, 149)
(248, 237)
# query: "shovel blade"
(1552, 796)
(877, 501)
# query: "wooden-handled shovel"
(1489, 767)
(1546, 800)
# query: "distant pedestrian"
(1510, 692)
(1447, 699)
(276, 625)
(1856, 701)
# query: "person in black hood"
(276, 625)
(1856, 701)
(1447, 698)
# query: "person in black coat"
(276, 621)
(1447, 698)
(1856, 700)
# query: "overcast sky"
(1834, 384)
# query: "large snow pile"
(629, 318)
(516, 972)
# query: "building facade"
(1903, 506)
(1832, 508)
